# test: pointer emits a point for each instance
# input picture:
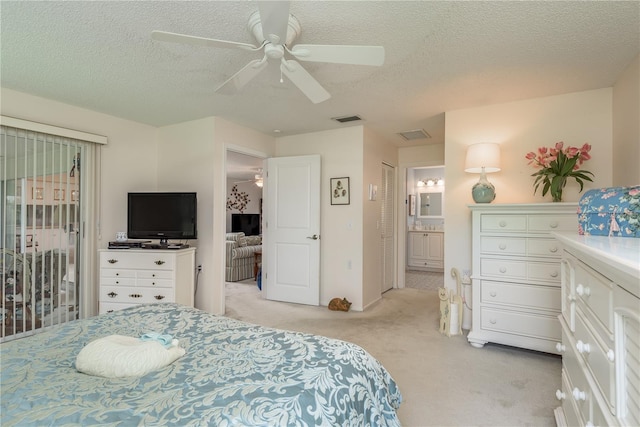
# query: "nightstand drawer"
(135, 295)
(515, 294)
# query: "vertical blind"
(41, 209)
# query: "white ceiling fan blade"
(339, 54)
(274, 17)
(304, 81)
(200, 41)
(242, 77)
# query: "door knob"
(314, 237)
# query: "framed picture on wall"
(58, 194)
(340, 191)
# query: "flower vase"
(556, 194)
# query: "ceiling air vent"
(347, 119)
(410, 135)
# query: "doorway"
(244, 205)
(425, 189)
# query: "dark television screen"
(247, 223)
(162, 216)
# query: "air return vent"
(410, 135)
(347, 119)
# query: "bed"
(233, 373)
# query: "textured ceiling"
(440, 56)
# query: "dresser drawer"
(155, 260)
(505, 223)
(117, 273)
(109, 307)
(135, 295)
(544, 271)
(598, 357)
(595, 291)
(117, 281)
(543, 247)
(503, 245)
(491, 267)
(155, 283)
(549, 223)
(514, 294)
(571, 412)
(526, 324)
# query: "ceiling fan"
(257, 179)
(275, 30)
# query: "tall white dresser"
(131, 277)
(600, 331)
(516, 273)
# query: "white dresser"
(516, 273)
(600, 331)
(137, 276)
(426, 250)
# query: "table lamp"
(483, 158)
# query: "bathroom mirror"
(430, 205)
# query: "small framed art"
(58, 194)
(340, 191)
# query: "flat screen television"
(249, 224)
(162, 215)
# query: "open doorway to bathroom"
(425, 228)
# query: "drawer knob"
(583, 290)
(579, 395)
(583, 347)
(611, 355)
(503, 246)
(503, 270)
(159, 297)
(159, 262)
(554, 224)
(153, 275)
(493, 293)
(112, 261)
(503, 223)
(135, 296)
(112, 295)
(560, 395)
(553, 274)
(553, 250)
(571, 298)
(560, 348)
(109, 311)
(493, 321)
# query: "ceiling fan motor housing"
(255, 27)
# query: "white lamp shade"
(483, 155)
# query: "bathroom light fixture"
(483, 158)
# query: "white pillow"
(117, 356)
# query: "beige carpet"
(444, 381)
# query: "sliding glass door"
(41, 188)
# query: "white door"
(387, 223)
(291, 258)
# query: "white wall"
(341, 226)
(626, 126)
(520, 127)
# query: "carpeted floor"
(444, 381)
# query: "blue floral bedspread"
(233, 373)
